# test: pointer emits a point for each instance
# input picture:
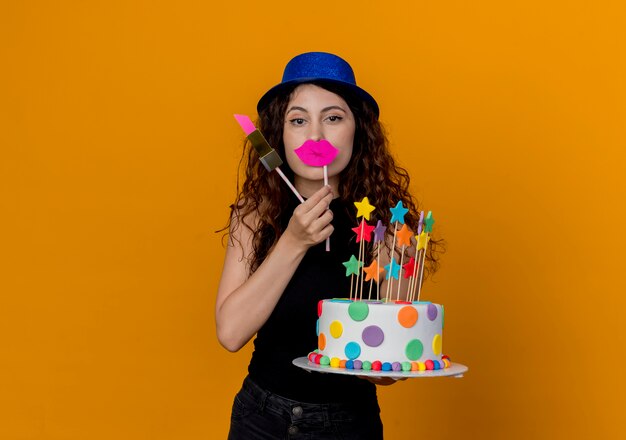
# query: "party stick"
(318, 154)
(352, 268)
(268, 156)
(363, 209)
(408, 270)
(404, 240)
(363, 234)
(397, 213)
(419, 284)
(428, 228)
(392, 257)
(379, 236)
(420, 224)
(373, 272)
(378, 281)
(361, 251)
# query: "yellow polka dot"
(437, 345)
(421, 366)
(336, 329)
(334, 362)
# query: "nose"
(316, 134)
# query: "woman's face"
(315, 113)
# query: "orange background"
(118, 162)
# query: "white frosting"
(384, 316)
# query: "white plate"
(454, 369)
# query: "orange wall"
(118, 161)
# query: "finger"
(322, 221)
(316, 198)
(319, 209)
(325, 233)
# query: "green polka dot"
(325, 360)
(406, 366)
(367, 365)
(358, 310)
(414, 349)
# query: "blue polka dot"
(435, 365)
(349, 365)
(317, 327)
(386, 366)
(352, 350)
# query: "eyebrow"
(325, 109)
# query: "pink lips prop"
(317, 153)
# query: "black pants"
(259, 414)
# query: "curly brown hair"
(371, 172)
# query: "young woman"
(276, 268)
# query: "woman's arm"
(244, 302)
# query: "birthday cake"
(376, 335)
(383, 334)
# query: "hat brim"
(350, 88)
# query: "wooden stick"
(414, 279)
(393, 248)
(293, 188)
(361, 251)
(378, 282)
(422, 271)
(326, 183)
(400, 279)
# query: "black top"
(290, 333)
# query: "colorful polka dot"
(358, 310)
(340, 300)
(367, 365)
(386, 366)
(325, 360)
(319, 308)
(358, 365)
(349, 365)
(377, 365)
(442, 316)
(321, 341)
(396, 366)
(317, 327)
(407, 316)
(437, 344)
(334, 362)
(336, 329)
(429, 364)
(373, 336)
(352, 350)
(432, 311)
(414, 349)
(421, 366)
(406, 366)
(342, 363)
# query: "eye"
(334, 118)
(296, 121)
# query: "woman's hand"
(310, 222)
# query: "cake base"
(455, 370)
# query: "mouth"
(317, 153)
